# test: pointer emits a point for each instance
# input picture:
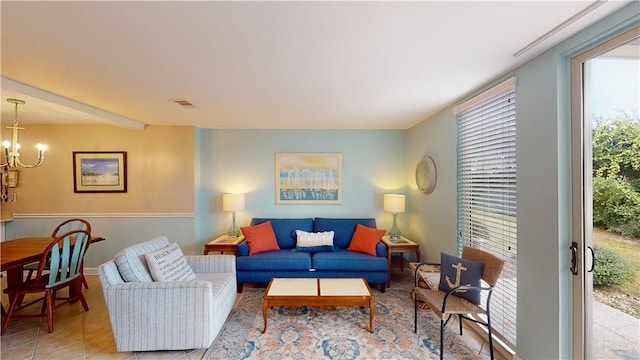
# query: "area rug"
(339, 333)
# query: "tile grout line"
(35, 343)
(82, 329)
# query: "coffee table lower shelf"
(318, 293)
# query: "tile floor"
(87, 335)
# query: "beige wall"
(160, 170)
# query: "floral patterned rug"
(339, 333)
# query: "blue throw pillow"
(455, 271)
(314, 248)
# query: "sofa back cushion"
(285, 229)
(132, 263)
(343, 228)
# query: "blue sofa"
(286, 262)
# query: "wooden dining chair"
(63, 256)
(63, 227)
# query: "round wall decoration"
(426, 175)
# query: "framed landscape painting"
(308, 178)
(97, 171)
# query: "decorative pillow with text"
(169, 264)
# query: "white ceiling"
(265, 65)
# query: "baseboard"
(498, 345)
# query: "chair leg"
(48, 299)
(490, 335)
(460, 320)
(43, 310)
(81, 296)
(20, 299)
(84, 282)
(415, 312)
(12, 308)
(441, 339)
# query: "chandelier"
(11, 154)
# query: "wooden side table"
(224, 243)
(401, 246)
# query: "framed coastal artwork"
(99, 171)
(308, 178)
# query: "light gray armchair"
(172, 315)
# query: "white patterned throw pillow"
(169, 264)
(314, 241)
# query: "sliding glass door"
(599, 109)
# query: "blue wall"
(243, 161)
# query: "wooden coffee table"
(318, 292)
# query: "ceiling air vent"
(183, 102)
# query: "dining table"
(16, 253)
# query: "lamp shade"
(233, 202)
(394, 203)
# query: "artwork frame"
(308, 178)
(109, 174)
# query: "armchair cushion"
(455, 271)
(131, 262)
(169, 264)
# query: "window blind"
(486, 193)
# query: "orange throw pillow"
(260, 238)
(364, 239)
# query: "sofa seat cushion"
(344, 260)
(131, 262)
(275, 260)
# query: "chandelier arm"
(38, 163)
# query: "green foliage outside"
(610, 268)
(616, 175)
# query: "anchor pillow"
(455, 271)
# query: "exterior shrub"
(616, 206)
(610, 268)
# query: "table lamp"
(394, 203)
(233, 203)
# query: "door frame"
(582, 191)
